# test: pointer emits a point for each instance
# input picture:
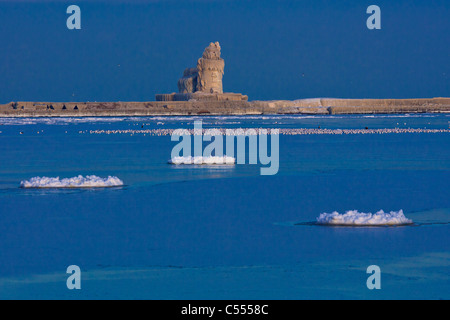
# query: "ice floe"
(75, 182)
(203, 160)
(355, 218)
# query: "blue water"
(181, 232)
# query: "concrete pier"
(224, 107)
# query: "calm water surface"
(176, 232)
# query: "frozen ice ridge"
(203, 160)
(75, 182)
(355, 218)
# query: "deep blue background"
(272, 49)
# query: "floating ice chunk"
(75, 182)
(203, 160)
(355, 218)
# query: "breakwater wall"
(153, 108)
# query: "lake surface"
(224, 232)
